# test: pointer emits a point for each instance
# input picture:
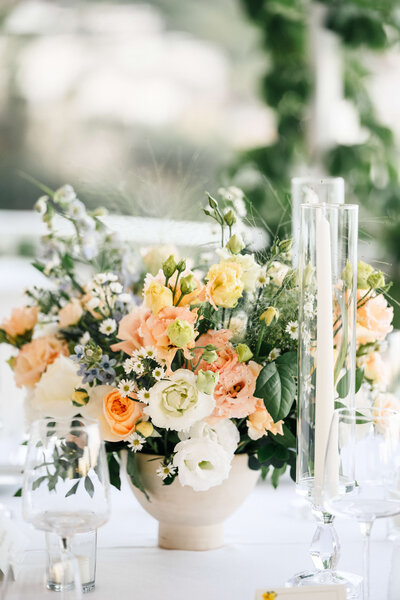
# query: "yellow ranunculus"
(157, 296)
(224, 286)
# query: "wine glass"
(362, 470)
(66, 482)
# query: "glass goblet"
(362, 470)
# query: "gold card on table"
(320, 592)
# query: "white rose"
(250, 269)
(223, 432)
(176, 403)
(53, 393)
(201, 463)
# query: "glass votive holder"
(84, 548)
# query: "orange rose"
(121, 413)
(260, 423)
(374, 319)
(33, 359)
(70, 313)
(21, 320)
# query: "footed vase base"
(350, 580)
(186, 537)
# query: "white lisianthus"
(201, 463)
(53, 393)
(250, 268)
(176, 403)
(223, 432)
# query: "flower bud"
(244, 353)
(41, 205)
(169, 266)
(209, 354)
(212, 202)
(206, 381)
(364, 270)
(376, 280)
(230, 218)
(188, 284)
(101, 211)
(180, 333)
(181, 266)
(235, 244)
(269, 315)
(80, 397)
(144, 428)
(285, 245)
(157, 297)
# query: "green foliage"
(277, 387)
(133, 472)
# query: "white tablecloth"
(267, 541)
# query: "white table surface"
(267, 541)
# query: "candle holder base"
(308, 578)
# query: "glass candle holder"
(84, 548)
(327, 350)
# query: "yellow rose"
(224, 286)
(70, 313)
(157, 296)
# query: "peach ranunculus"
(21, 320)
(141, 328)
(33, 359)
(374, 319)
(260, 423)
(234, 392)
(121, 413)
(70, 313)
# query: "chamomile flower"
(126, 387)
(165, 471)
(108, 326)
(128, 365)
(138, 367)
(135, 442)
(292, 328)
(158, 373)
(138, 355)
(273, 355)
(144, 395)
(150, 352)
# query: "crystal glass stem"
(366, 533)
(325, 546)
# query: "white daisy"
(108, 326)
(308, 309)
(150, 352)
(292, 328)
(138, 367)
(116, 287)
(128, 365)
(273, 355)
(166, 471)
(144, 395)
(138, 355)
(126, 387)
(158, 373)
(135, 442)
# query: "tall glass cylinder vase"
(312, 190)
(327, 349)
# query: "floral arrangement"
(200, 367)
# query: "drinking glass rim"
(356, 413)
(318, 180)
(42, 421)
(329, 206)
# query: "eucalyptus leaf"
(89, 487)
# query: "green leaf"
(133, 472)
(266, 453)
(38, 481)
(276, 475)
(18, 493)
(287, 439)
(113, 469)
(72, 491)
(277, 387)
(359, 379)
(89, 487)
(343, 385)
(254, 463)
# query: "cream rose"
(52, 396)
(176, 403)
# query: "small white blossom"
(85, 338)
(92, 303)
(125, 298)
(135, 442)
(128, 366)
(100, 278)
(138, 355)
(126, 387)
(273, 355)
(41, 205)
(308, 309)
(306, 337)
(108, 326)
(292, 328)
(144, 395)
(150, 352)
(111, 276)
(138, 367)
(116, 287)
(158, 373)
(166, 471)
(76, 209)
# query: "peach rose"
(234, 392)
(141, 328)
(21, 320)
(374, 319)
(375, 369)
(33, 359)
(70, 313)
(260, 423)
(121, 413)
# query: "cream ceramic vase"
(190, 520)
